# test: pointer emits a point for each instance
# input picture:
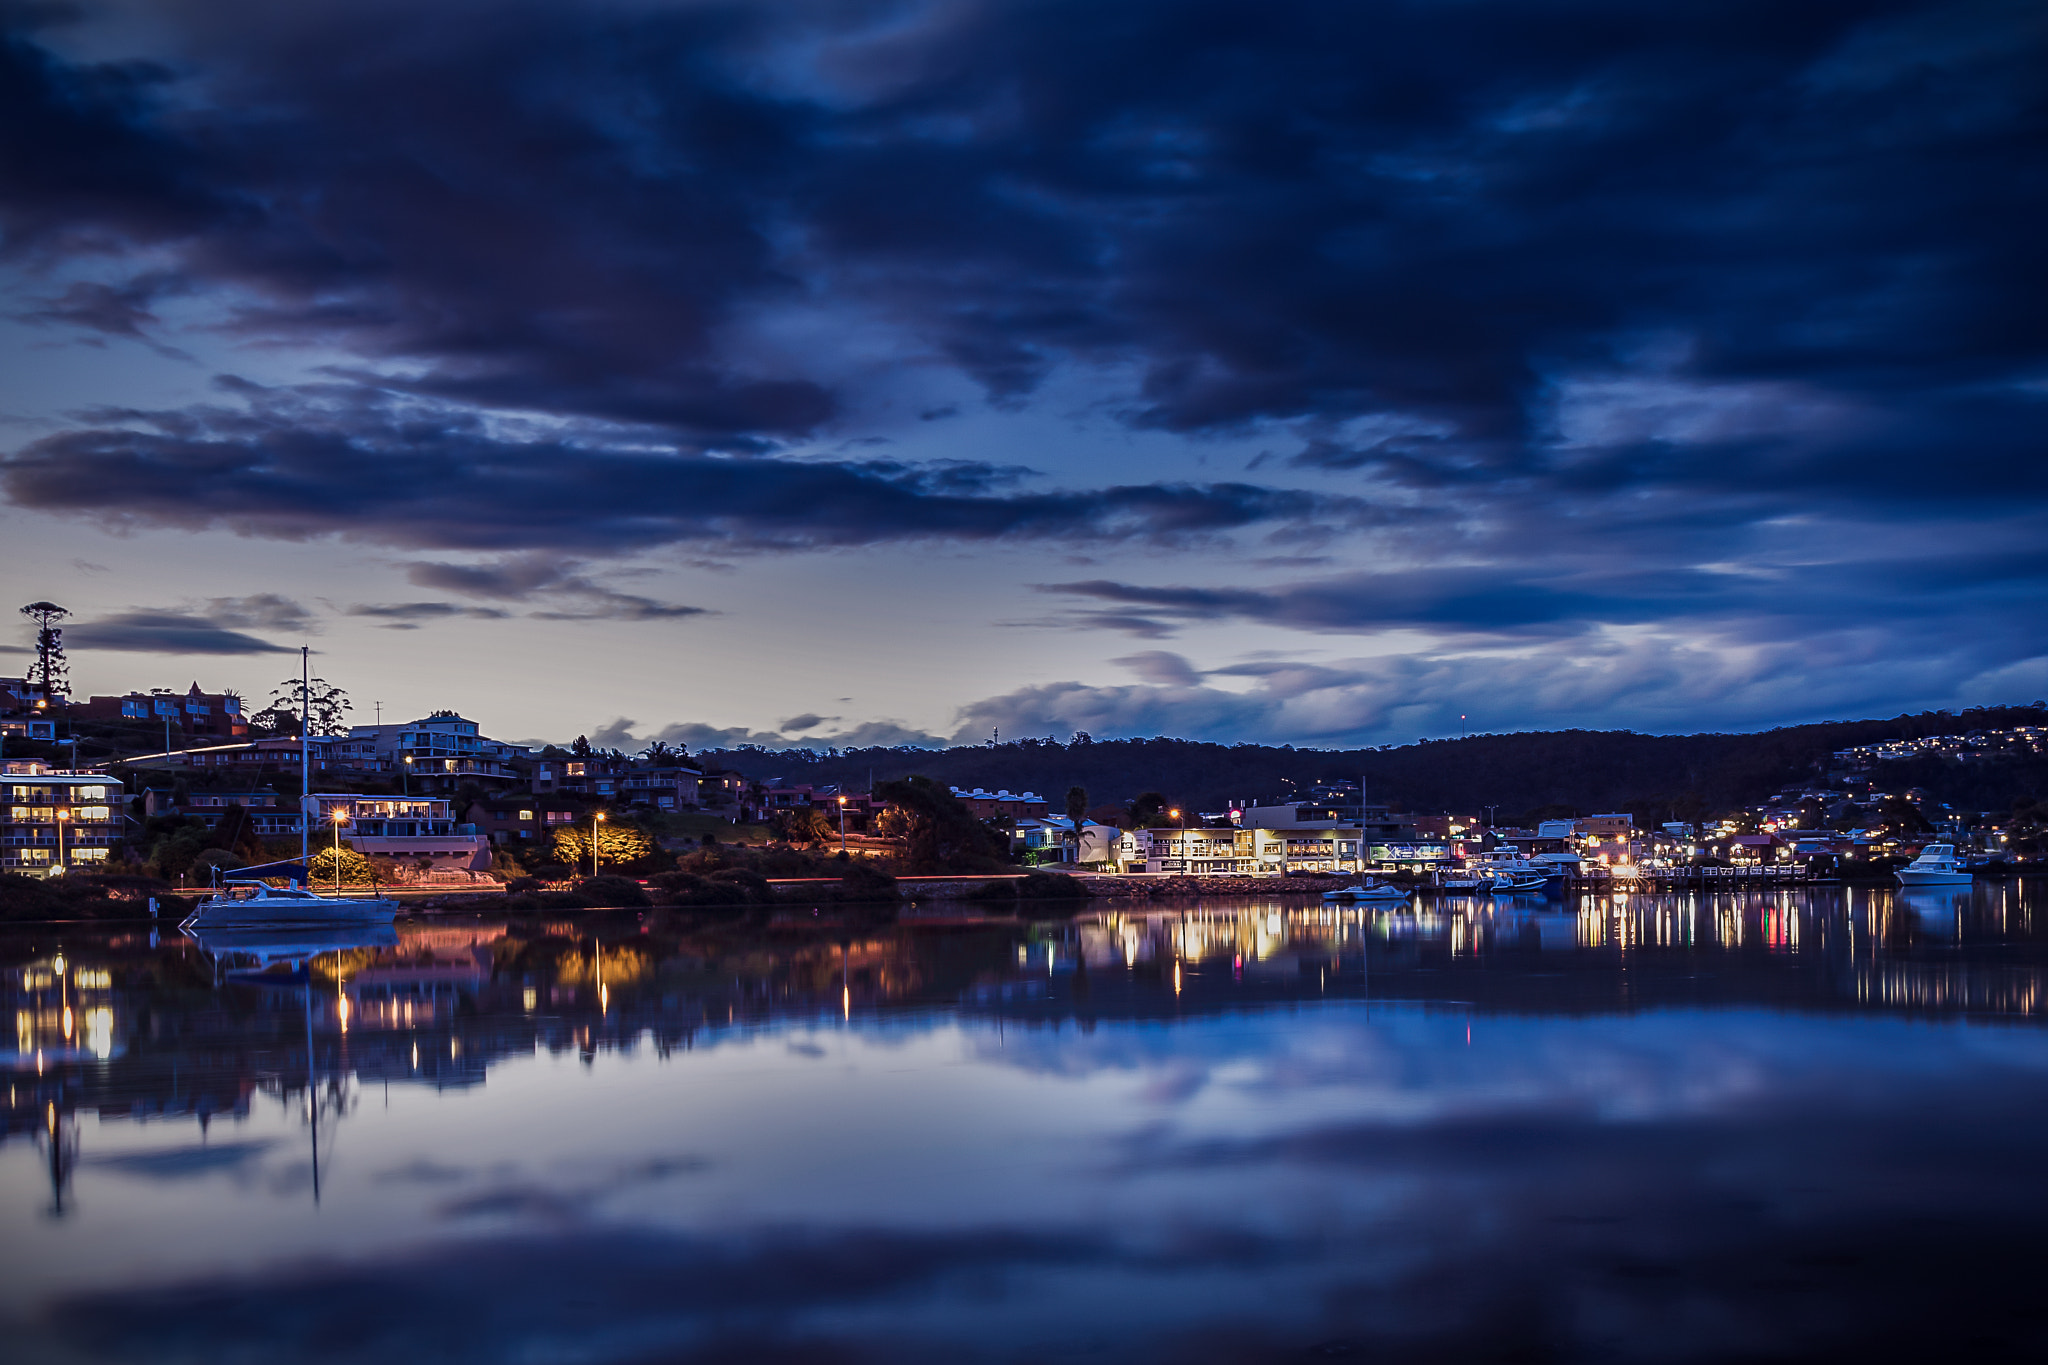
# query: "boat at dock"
(255, 904)
(1509, 871)
(1367, 893)
(1936, 866)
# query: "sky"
(846, 373)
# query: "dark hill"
(1655, 776)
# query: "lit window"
(526, 815)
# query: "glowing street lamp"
(340, 818)
(596, 820)
(407, 770)
(62, 816)
(842, 826)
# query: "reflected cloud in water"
(1647, 1127)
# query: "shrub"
(866, 882)
(1051, 886)
(611, 891)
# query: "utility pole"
(305, 749)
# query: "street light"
(407, 770)
(842, 826)
(340, 818)
(62, 816)
(596, 819)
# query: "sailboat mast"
(305, 749)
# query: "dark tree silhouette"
(51, 671)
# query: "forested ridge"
(1524, 774)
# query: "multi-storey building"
(24, 711)
(518, 820)
(195, 713)
(1248, 852)
(439, 752)
(399, 827)
(983, 805)
(55, 819)
(670, 785)
(270, 816)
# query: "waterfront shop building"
(57, 820)
(1257, 852)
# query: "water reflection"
(1203, 1131)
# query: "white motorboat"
(247, 904)
(1369, 893)
(1936, 866)
(1508, 870)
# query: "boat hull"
(262, 914)
(1908, 877)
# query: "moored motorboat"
(1368, 893)
(241, 904)
(1936, 866)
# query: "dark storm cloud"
(1277, 211)
(1501, 279)
(150, 632)
(1561, 592)
(296, 470)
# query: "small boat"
(247, 904)
(1509, 871)
(1936, 866)
(1376, 893)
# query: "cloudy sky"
(861, 372)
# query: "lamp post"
(407, 771)
(596, 823)
(340, 818)
(62, 816)
(1180, 843)
(842, 826)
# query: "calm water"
(1794, 1125)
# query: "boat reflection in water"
(1805, 1123)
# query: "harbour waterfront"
(1793, 1122)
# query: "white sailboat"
(247, 903)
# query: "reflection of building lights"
(67, 1021)
(99, 1032)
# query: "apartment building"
(270, 816)
(669, 786)
(192, 714)
(439, 752)
(25, 711)
(522, 819)
(400, 827)
(54, 820)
